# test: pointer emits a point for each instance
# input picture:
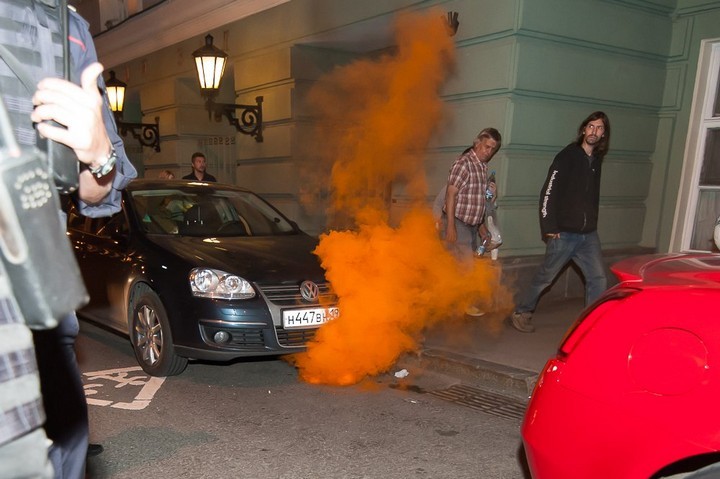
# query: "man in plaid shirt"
(465, 198)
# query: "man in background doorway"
(199, 167)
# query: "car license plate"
(306, 318)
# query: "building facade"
(533, 69)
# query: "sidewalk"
(492, 354)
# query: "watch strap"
(107, 167)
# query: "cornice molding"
(171, 22)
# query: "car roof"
(142, 184)
(159, 184)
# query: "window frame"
(707, 87)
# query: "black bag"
(35, 250)
(61, 160)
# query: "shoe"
(521, 321)
(94, 449)
(474, 311)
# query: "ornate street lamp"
(210, 62)
(148, 134)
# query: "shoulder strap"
(17, 68)
(64, 29)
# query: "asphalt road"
(256, 419)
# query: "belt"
(461, 221)
(467, 224)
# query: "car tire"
(709, 472)
(150, 334)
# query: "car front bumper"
(214, 330)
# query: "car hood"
(670, 269)
(258, 259)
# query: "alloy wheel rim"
(148, 335)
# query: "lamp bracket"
(148, 134)
(249, 122)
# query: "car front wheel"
(150, 334)
(709, 472)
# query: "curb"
(500, 378)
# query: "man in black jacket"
(569, 202)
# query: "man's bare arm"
(450, 202)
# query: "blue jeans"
(584, 250)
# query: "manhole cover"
(484, 401)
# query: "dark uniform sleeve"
(82, 54)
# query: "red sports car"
(634, 390)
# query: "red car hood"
(667, 269)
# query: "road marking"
(121, 378)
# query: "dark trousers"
(63, 398)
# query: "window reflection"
(708, 209)
(710, 173)
(716, 108)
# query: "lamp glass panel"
(116, 97)
(201, 72)
(210, 70)
(219, 70)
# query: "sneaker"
(474, 311)
(521, 321)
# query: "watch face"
(107, 167)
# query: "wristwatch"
(107, 167)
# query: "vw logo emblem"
(309, 291)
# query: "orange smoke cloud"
(392, 282)
(378, 116)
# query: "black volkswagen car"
(205, 271)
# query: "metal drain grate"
(484, 401)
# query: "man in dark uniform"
(90, 131)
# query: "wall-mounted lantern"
(210, 63)
(148, 134)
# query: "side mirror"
(716, 233)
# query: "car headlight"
(213, 283)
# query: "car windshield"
(207, 212)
